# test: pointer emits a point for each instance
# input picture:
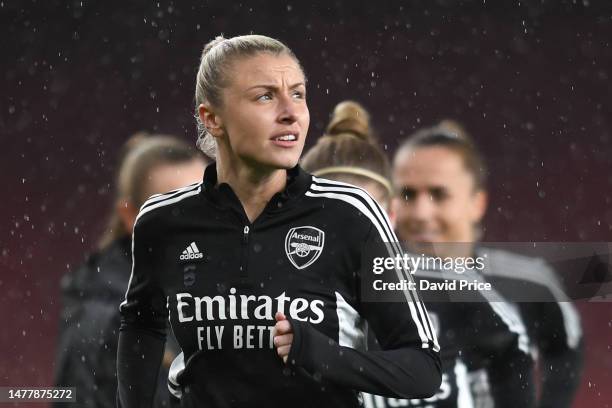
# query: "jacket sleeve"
(554, 326)
(143, 325)
(555, 330)
(510, 380)
(104, 358)
(408, 366)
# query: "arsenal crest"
(303, 245)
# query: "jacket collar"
(222, 195)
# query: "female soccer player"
(348, 152)
(87, 343)
(259, 267)
(480, 339)
(441, 181)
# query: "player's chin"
(286, 159)
(427, 236)
(424, 247)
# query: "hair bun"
(454, 128)
(350, 117)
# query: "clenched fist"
(283, 336)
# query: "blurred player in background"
(485, 353)
(149, 164)
(348, 152)
(440, 180)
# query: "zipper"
(244, 264)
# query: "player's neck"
(254, 187)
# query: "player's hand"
(283, 336)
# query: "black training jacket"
(486, 359)
(89, 322)
(219, 279)
(552, 321)
(488, 342)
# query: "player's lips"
(286, 139)
(424, 236)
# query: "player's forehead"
(429, 167)
(266, 69)
(170, 176)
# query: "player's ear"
(394, 206)
(127, 213)
(391, 212)
(479, 207)
(211, 120)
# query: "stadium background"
(531, 82)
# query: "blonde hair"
(349, 151)
(138, 157)
(212, 77)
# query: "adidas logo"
(191, 252)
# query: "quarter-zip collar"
(222, 195)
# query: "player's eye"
(408, 194)
(299, 94)
(265, 97)
(438, 194)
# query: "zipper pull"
(245, 234)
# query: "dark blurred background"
(530, 80)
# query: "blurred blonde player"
(89, 323)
